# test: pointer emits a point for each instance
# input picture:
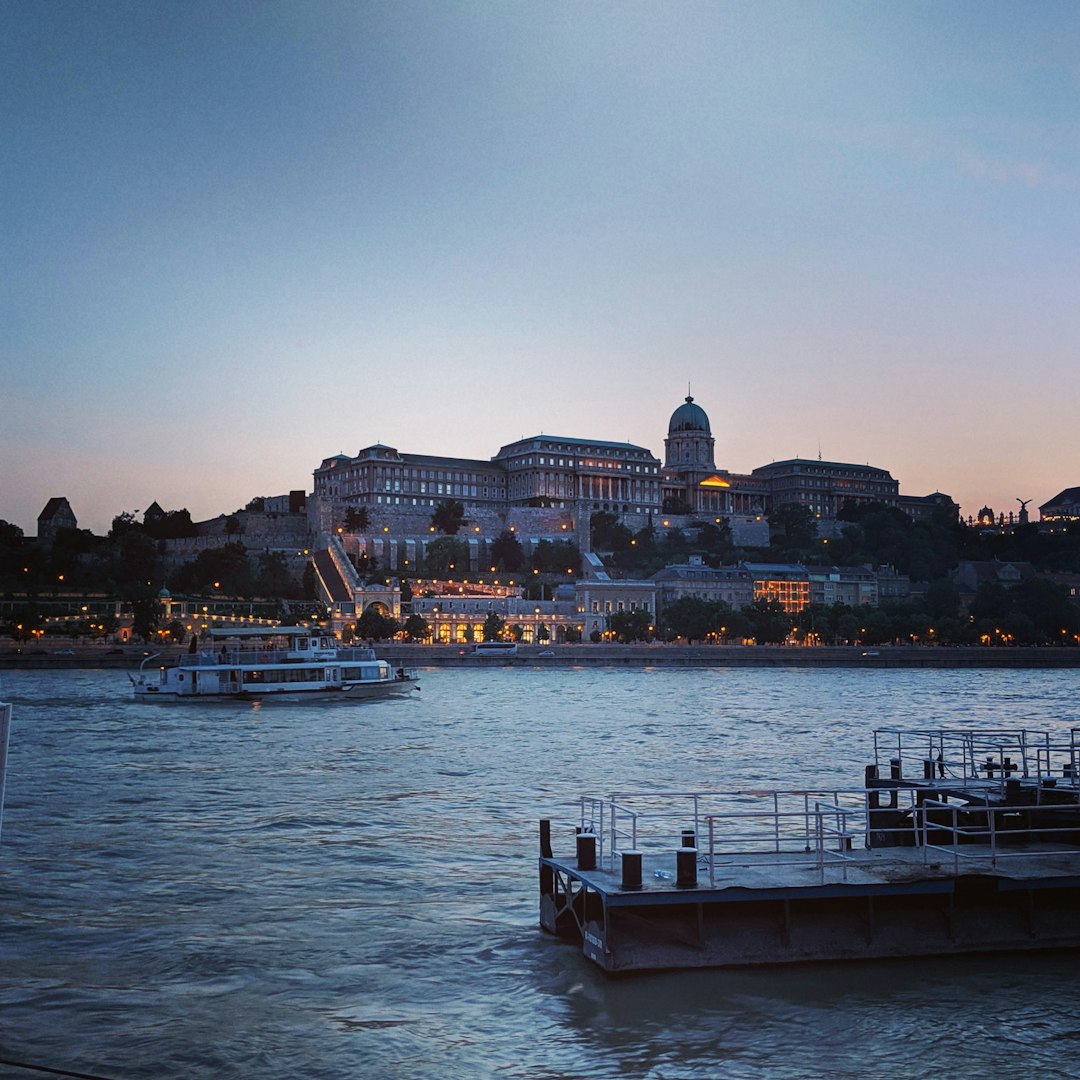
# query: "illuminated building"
(580, 475)
(691, 481)
(788, 584)
(549, 470)
(1061, 510)
(825, 487)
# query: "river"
(225, 891)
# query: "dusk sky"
(242, 237)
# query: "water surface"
(216, 891)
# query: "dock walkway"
(978, 851)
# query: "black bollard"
(586, 851)
(686, 868)
(631, 869)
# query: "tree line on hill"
(128, 563)
(1035, 612)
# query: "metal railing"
(276, 656)
(826, 830)
(966, 756)
(996, 833)
(753, 827)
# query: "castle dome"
(689, 417)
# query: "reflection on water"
(202, 891)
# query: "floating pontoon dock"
(958, 842)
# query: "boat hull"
(375, 691)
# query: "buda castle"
(572, 477)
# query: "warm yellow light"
(715, 481)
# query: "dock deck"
(978, 852)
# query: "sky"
(240, 237)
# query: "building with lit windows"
(826, 487)
(730, 585)
(382, 476)
(855, 586)
(1062, 510)
(569, 478)
(691, 481)
(597, 601)
(788, 584)
(550, 470)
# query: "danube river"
(210, 892)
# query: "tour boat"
(283, 663)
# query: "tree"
(172, 525)
(693, 618)
(446, 556)
(795, 523)
(146, 615)
(375, 626)
(770, 624)
(942, 599)
(135, 561)
(448, 517)
(493, 627)
(506, 552)
(417, 628)
(357, 519)
(224, 570)
(607, 533)
(556, 557)
(273, 577)
(631, 626)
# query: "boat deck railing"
(828, 831)
(275, 656)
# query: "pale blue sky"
(241, 237)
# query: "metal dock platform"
(958, 842)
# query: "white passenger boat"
(284, 663)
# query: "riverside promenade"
(610, 655)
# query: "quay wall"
(604, 655)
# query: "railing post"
(712, 861)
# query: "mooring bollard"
(686, 867)
(586, 850)
(631, 869)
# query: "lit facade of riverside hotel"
(578, 476)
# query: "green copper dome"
(689, 417)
